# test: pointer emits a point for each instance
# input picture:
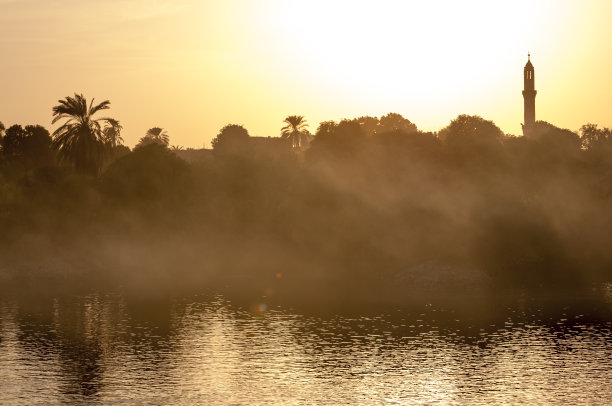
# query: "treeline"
(355, 202)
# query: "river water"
(111, 349)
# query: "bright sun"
(392, 53)
(389, 44)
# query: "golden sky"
(192, 66)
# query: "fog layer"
(367, 204)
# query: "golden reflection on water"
(101, 349)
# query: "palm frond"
(102, 106)
(153, 131)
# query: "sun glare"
(446, 55)
(391, 42)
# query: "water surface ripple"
(106, 349)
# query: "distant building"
(529, 95)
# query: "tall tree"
(80, 140)
(296, 129)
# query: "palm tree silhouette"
(155, 135)
(80, 140)
(112, 134)
(295, 130)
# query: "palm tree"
(80, 139)
(295, 130)
(112, 134)
(155, 135)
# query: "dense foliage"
(368, 198)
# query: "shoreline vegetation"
(367, 206)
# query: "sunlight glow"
(427, 59)
(193, 67)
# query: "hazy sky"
(192, 66)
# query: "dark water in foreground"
(109, 349)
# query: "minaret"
(529, 94)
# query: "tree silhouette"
(341, 140)
(13, 140)
(295, 130)
(2, 128)
(80, 140)
(369, 124)
(396, 122)
(326, 129)
(472, 141)
(554, 139)
(31, 146)
(467, 129)
(231, 138)
(27, 148)
(36, 149)
(597, 146)
(155, 135)
(150, 173)
(112, 134)
(593, 137)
